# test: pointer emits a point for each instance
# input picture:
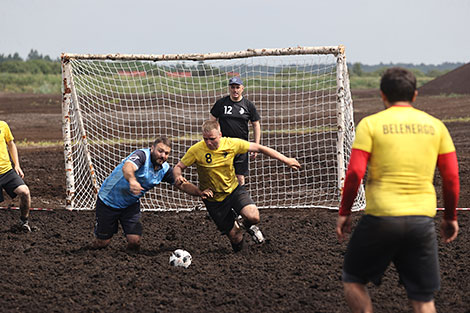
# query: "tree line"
(420, 70)
(35, 63)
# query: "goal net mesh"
(118, 106)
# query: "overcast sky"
(373, 31)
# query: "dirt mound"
(456, 81)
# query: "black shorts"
(107, 219)
(407, 241)
(224, 213)
(10, 181)
(240, 163)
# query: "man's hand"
(343, 226)
(449, 230)
(19, 171)
(180, 180)
(135, 187)
(253, 155)
(293, 163)
(207, 193)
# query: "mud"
(297, 270)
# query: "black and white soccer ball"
(180, 258)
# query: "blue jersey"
(115, 192)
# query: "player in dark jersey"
(233, 113)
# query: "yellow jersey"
(215, 167)
(5, 137)
(404, 144)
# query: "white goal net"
(114, 104)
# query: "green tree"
(15, 57)
(357, 69)
(34, 55)
(13, 66)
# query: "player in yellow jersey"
(11, 176)
(213, 157)
(401, 147)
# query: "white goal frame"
(86, 153)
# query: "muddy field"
(297, 269)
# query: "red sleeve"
(356, 171)
(449, 169)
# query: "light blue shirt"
(115, 192)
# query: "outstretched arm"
(178, 171)
(291, 162)
(182, 184)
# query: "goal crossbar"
(334, 50)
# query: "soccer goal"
(114, 104)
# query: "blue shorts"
(224, 213)
(408, 241)
(10, 181)
(107, 219)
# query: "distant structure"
(456, 82)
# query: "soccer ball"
(180, 258)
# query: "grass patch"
(457, 119)
(38, 144)
(449, 95)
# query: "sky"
(373, 31)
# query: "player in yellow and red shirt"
(11, 176)
(400, 146)
(213, 157)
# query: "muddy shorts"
(407, 241)
(9, 181)
(107, 219)
(224, 213)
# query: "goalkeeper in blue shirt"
(119, 196)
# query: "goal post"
(114, 104)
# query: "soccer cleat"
(24, 225)
(256, 234)
(239, 221)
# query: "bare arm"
(177, 172)
(182, 184)
(193, 190)
(256, 131)
(128, 171)
(257, 136)
(14, 157)
(291, 162)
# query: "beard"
(155, 161)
